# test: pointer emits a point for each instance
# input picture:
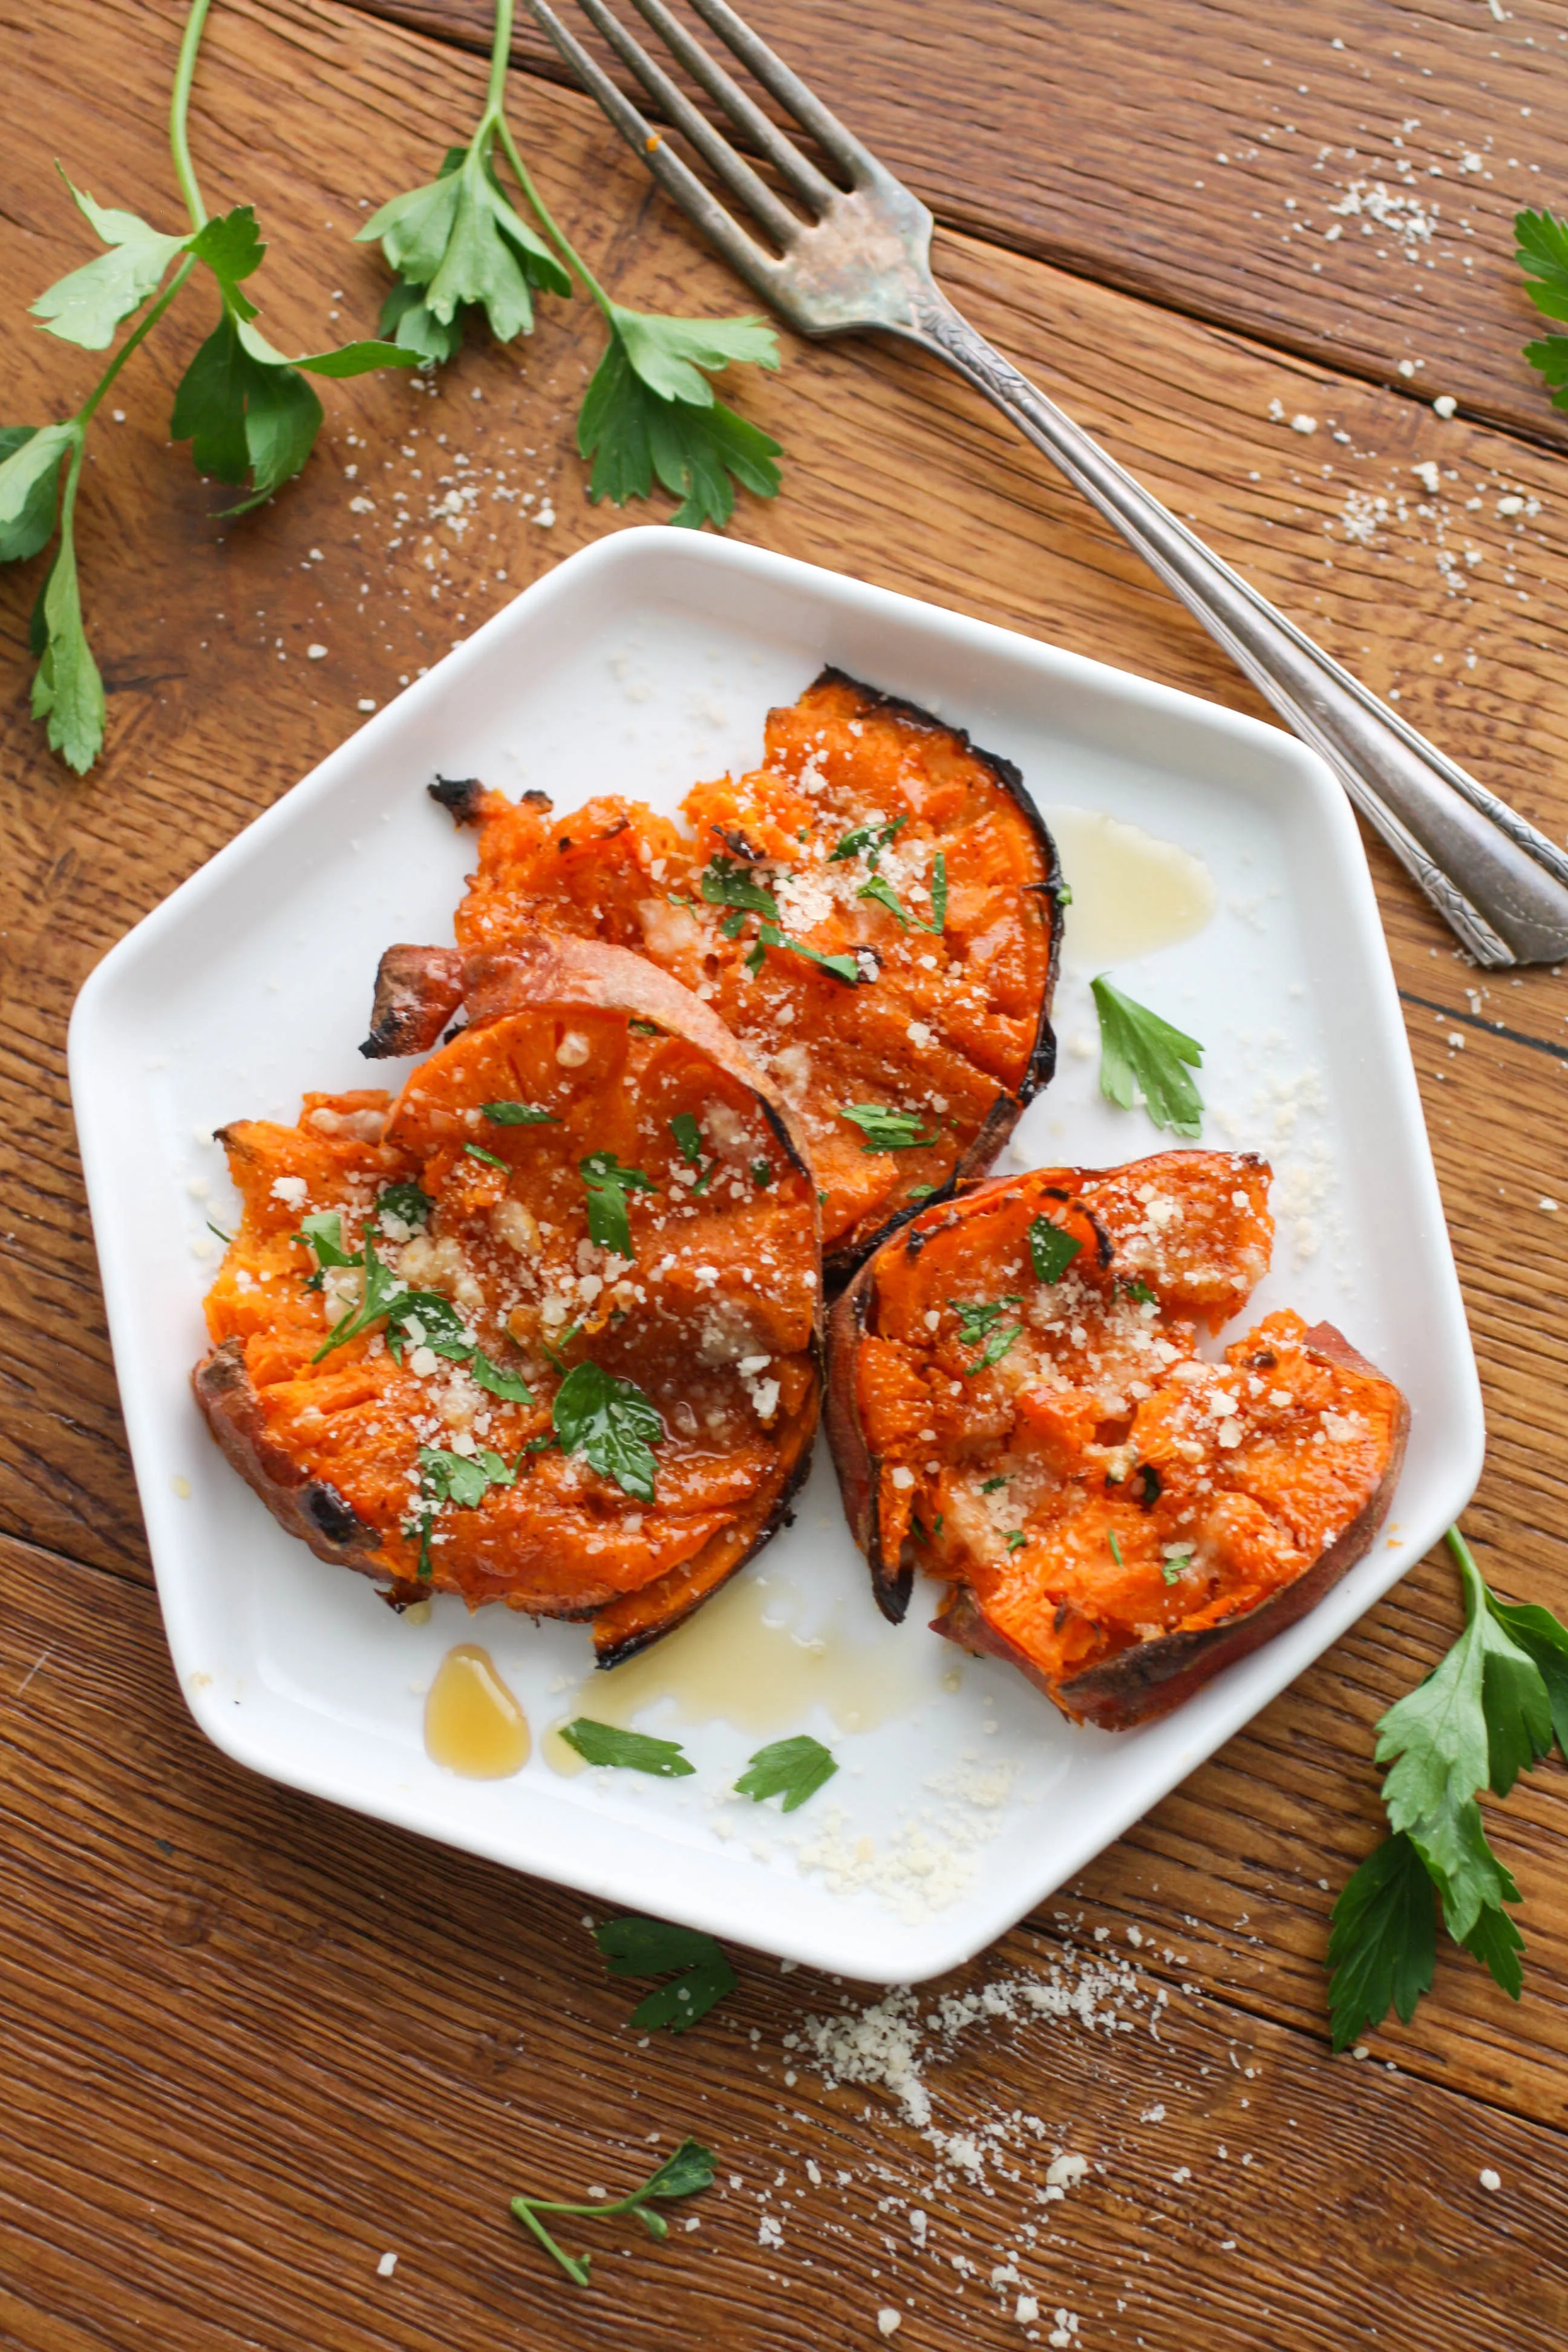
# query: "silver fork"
(862, 262)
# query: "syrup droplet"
(472, 1723)
(1132, 893)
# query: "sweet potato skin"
(960, 1018)
(700, 1531)
(418, 990)
(1139, 1685)
(310, 1508)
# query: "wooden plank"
(279, 2041)
(1199, 153)
(899, 475)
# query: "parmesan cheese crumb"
(889, 2321)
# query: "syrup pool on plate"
(741, 1661)
(473, 1725)
(1131, 892)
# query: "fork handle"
(1501, 885)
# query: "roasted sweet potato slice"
(543, 1330)
(1017, 1406)
(873, 912)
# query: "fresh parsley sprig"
(685, 2174)
(246, 408)
(1141, 1054)
(650, 1947)
(1489, 1711)
(1543, 255)
(458, 245)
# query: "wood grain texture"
(279, 2040)
(1195, 153)
(286, 2043)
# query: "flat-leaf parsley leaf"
(632, 1946)
(793, 1769)
(610, 1423)
(1141, 1054)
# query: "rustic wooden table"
(251, 2042)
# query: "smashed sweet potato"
(1017, 1405)
(874, 912)
(543, 1330)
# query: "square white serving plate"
(641, 664)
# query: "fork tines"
(816, 192)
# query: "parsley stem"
(138, 334)
(568, 251)
(179, 108)
(575, 2271)
(1471, 1575)
(500, 58)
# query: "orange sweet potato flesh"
(949, 1026)
(715, 1318)
(1114, 1513)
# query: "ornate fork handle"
(1502, 885)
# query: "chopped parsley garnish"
(1173, 1568)
(882, 891)
(1016, 1538)
(684, 2174)
(762, 1174)
(689, 1138)
(644, 1028)
(649, 1948)
(1141, 1054)
(1110, 1538)
(1051, 1251)
(921, 1191)
(726, 882)
(627, 1751)
(1134, 1287)
(975, 1316)
(793, 1769)
(989, 1485)
(867, 841)
(842, 967)
(519, 1114)
(462, 1478)
(404, 1202)
(382, 1289)
(608, 1183)
(612, 1424)
(889, 1131)
(323, 1233)
(938, 893)
(1150, 1488)
(477, 1151)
